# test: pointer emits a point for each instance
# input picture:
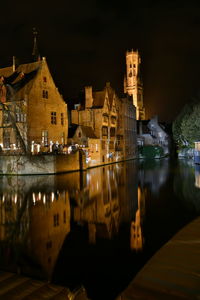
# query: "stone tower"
(133, 84)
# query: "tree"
(186, 125)
(190, 126)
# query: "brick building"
(32, 109)
(112, 120)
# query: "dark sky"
(85, 42)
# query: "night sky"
(85, 42)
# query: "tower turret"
(134, 86)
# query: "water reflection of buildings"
(108, 200)
(34, 221)
(137, 239)
(98, 203)
(153, 173)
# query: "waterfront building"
(152, 132)
(32, 110)
(126, 129)
(133, 85)
(112, 120)
(80, 136)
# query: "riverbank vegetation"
(186, 127)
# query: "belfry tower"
(133, 84)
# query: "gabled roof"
(22, 79)
(88, 132)
(111, 94)
(99, 97)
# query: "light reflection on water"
(105, 220)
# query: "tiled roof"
(88, 132)
(19, 84)
(99, 97)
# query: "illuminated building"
(32, 111)
(112, 119)
(133, 84)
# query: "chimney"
(88, 97)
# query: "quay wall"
(39, 164)
(48, 164)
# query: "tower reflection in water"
(137, 239)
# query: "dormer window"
(105, 118)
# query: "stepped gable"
(110, 92)
(99, 98)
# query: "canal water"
(95, 228)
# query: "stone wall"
(39, 164)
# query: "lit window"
(53, 117)
(112, 131)
(63, 138)
(104, 131)
(45, 137)
(105, 118)
(113, 120)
